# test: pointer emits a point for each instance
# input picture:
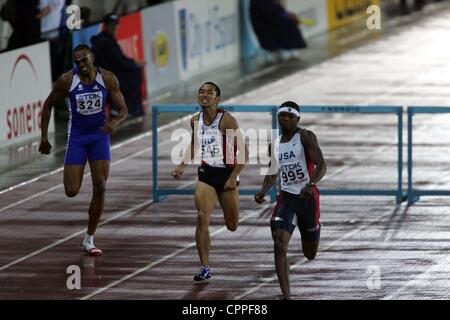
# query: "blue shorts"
(87, 146)
(290, 211)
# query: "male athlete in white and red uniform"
(219, 169)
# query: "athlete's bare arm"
(229, 122)
(59, 91)
(269, 179)
(116, 98)
(311, 145)
(189, 153)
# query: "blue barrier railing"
(414, 194)
(159, 194)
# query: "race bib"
(210, 151)
(89, 103)
(292, 174)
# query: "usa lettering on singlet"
(291, 161)
(86, 103)
(214, 146)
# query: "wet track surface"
(149, 249)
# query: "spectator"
(85, 14)
(110, 56)
(51, 18)
(275, 28)
(26, 24)
(53, 29)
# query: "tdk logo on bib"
(90, 96)
(209, 141)
(89, 103)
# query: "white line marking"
(167, 257)
(73, 235)
(303, 260)
(422, 278)
(84, 176)
(116, 146)
(56, 243)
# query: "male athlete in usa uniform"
(86, 89)
(300, 166)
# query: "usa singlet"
(293, 168)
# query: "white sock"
(88, 242)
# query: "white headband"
(289, 110)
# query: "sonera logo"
(20, 58)
(160, 49)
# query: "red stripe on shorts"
(274, 213)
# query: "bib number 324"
(89, 103)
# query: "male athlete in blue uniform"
(86, 89)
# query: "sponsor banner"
(129, 37)
(313, 13)
(160, 46)
(342, 12)
(208, 34)
(25, 82)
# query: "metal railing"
(160, 194)
(414, 194)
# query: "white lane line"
(116, 146)
(169, 256)
(84, 176)
(422, 278)
(267, 280)
(193, 244)
(73, 235)
(61, 184)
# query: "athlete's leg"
(74, 163)
(99, 173)
(309, 226)
(310, 247)
(205, 200)
(73, 176)
(281, 239)
(229, 200)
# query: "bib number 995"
(292, 175)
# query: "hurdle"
(160, 194)
(415, 194)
